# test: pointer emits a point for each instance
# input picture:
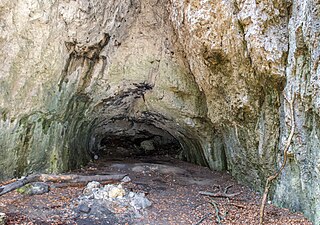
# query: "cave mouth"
(126, 146)
(130, 139)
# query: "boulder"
(35, 188)
(147, 146)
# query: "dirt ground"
(171, 185)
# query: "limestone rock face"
(206, 74)
(237, 53)
(299, 187)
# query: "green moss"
(25, 190)
(23, 149)
(4, 114)
(53, 163)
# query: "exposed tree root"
(220, 193)
(285, 157)
(70, 178)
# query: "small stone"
(131, 194)
(147, 146)
(99, 193)
(3, 218)
(39, 188)
(84, 208)
(90, 187)
(116, 192)
(140, 201)
(93, 184)
(126, 179)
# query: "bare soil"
(173, 186)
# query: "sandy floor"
(173, 187)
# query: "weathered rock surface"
(299, 188)
(3, 218)
(207, 75)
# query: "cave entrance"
(152, 134)
(127, 138)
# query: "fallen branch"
(213, 203)
(220, 193)
(79, 185)
(8, 181)
(285, 157)
(70, 178)
(203, 218)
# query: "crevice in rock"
(137, 91)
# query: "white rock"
(93, 185)
(3, 218)
(139, 201)
(116, 192)
(126, 179)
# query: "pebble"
(84, 208)
(91, 187)
(126, 179)
(139, 201)
(39, 188)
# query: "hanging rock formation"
(209, 75)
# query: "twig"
(203, 218)
(237, 205)
(220, 193)
(227, 188)
(285, 156)
(213, 203)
